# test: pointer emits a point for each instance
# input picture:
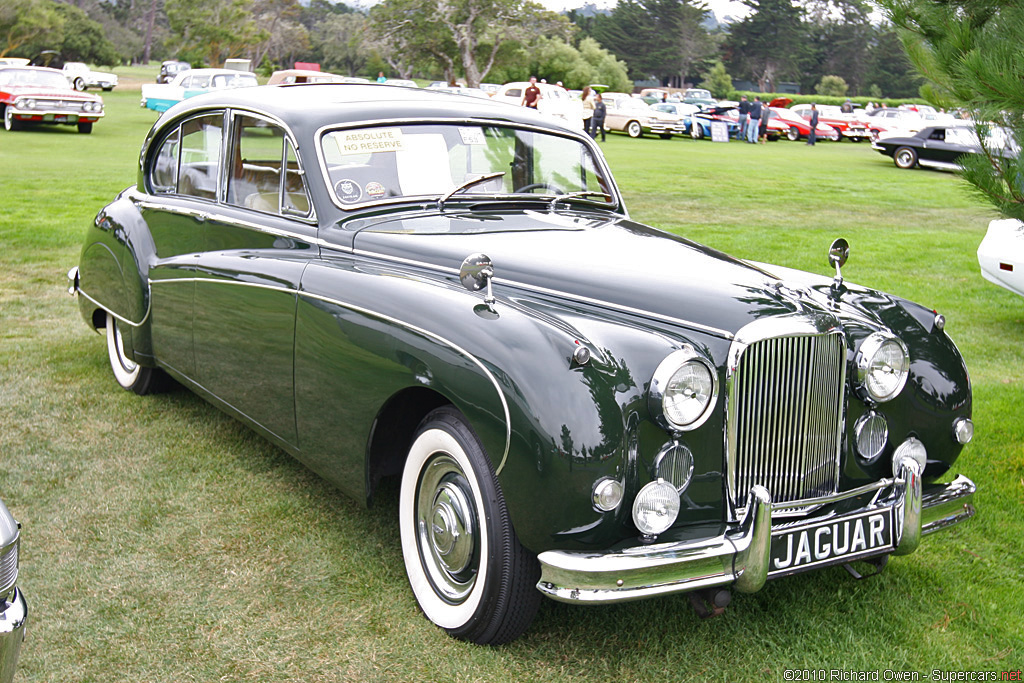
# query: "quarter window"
(200, 156)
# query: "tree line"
(826, 46)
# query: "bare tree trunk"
(150, 21)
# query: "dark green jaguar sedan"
(389, 282)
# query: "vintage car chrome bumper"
(741, 556)
(13, 615)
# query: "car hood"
(615, 263)
(40, 91)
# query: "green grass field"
(163, 541)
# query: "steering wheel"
(537, 186)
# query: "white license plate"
(835, 540)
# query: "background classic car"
(31, 95)
(939, 147)
(599, 412)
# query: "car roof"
(311, 106)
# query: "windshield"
(374, 164)
(45, 79)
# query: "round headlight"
(683, 390)
(913, 449)
(30, 104)
(883, 365)
(656, 507)
(607, 494)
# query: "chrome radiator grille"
(786, 413)
(8, 567)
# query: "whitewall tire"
(465, 565)
(129, 374)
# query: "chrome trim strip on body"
(724, 334)
(119, 318)
(381, 316)
(741, 554)
(238, 222)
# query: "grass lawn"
(163, 541)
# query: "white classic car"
(1001, 254)
(162, 96)
(555, 101)
(81, 77)
(13, 610)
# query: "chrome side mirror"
(838, 254)
(476, 272)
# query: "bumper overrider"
(894, 515)
(13, 615)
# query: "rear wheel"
(905, 157)
(633, 129)
(466, 567)
(697, 132)
(835, 135)
(129, 374)
(793, 133)
(79, 84)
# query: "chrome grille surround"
(9, 566)
(785, 409)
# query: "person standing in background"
(531, 96)
(744, 111)
(588, 108)
(754, 123)
(811, 137)
(597, 121)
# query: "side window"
(200, 156)
(164, 175)
(265, 172)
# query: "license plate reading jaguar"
(835, 540)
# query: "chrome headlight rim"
(669, 366)
(866, 353)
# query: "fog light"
(872, 434)
(963, 430)
(607, 494)
(674, 464)
(656, 507)
(913, 449)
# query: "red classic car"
(849, 125)
(34, 94)
(799, 127)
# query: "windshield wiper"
(466, 185)
(573, 195)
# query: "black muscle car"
(389, 282)
(938, 147)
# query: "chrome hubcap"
(446, 528)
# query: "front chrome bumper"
(12, 633)
(741, 556)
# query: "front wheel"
(11, 123)
(697, 132)
(466, 567)
(85, 127)
(634, 130)
(129, 374)
(905, 157)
